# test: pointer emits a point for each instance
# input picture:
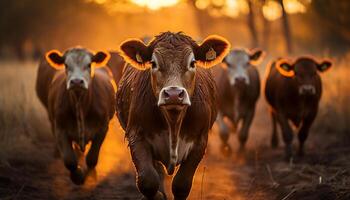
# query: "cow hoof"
(226, 150)
(78, 176)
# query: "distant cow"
(293, 90)
(166, 103)
(238, 84)
(80, 101)
(116, 65)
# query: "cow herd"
(168, 95)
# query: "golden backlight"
(155, 4)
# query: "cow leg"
(148, 180)
(274, 138)
(224, 133)
(70, 160)
(287, 135)
(182, 181)
(92, 156)
(158, 166)
(304, 132)
(243, 133)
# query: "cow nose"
(240, 79)
(174, 95)
(307, 90)
(77, 82)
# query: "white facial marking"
(238, 61)
(77, 63)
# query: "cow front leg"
(244, 131)
(274, 136)
(287, 135)
(182, 181)
(148, 180)
(304, 132)
(224, 133)
(160, 169)
(77, 174)
(92, 156)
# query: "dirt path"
(260, 174)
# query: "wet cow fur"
(293, 91)
(76, 116)
(145, 117)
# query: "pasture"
(28, 169)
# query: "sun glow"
(272, 10)
(155, 4)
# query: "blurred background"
(30, 27)
(290, 28)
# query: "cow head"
(238, 61)
(305, 71)
(79, 65)
(172, 60)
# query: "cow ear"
(324, 66)
(256, 56)
(100, 58)
(212, 51)
(285, 68)
(55, 59)
(136, 53)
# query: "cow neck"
(174, 120)
(79, 104)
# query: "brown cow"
(166, 103)
(238, 84)
(80, 101)
(293, 90)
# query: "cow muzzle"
(307, 90)
(77, 84)
(174, 96)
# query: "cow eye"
(193, 64)
(154, 65)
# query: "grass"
(334, 112)
(23, 120)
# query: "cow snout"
(173, 96)
(307, 90)
(77, 83)
(240, 80)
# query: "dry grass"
(22, 118)
(334, 111)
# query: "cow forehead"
(237, 57)
(172, 55)
(305, 66)
(77, 58)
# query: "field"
(28, 169)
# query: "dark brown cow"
(166, 103)
(238, 85)
(293, 90)
(80, 101)
(116, 65)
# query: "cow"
(238, 83)
(116, 65)
(166, 103)
(79, 95)
(293, 90)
